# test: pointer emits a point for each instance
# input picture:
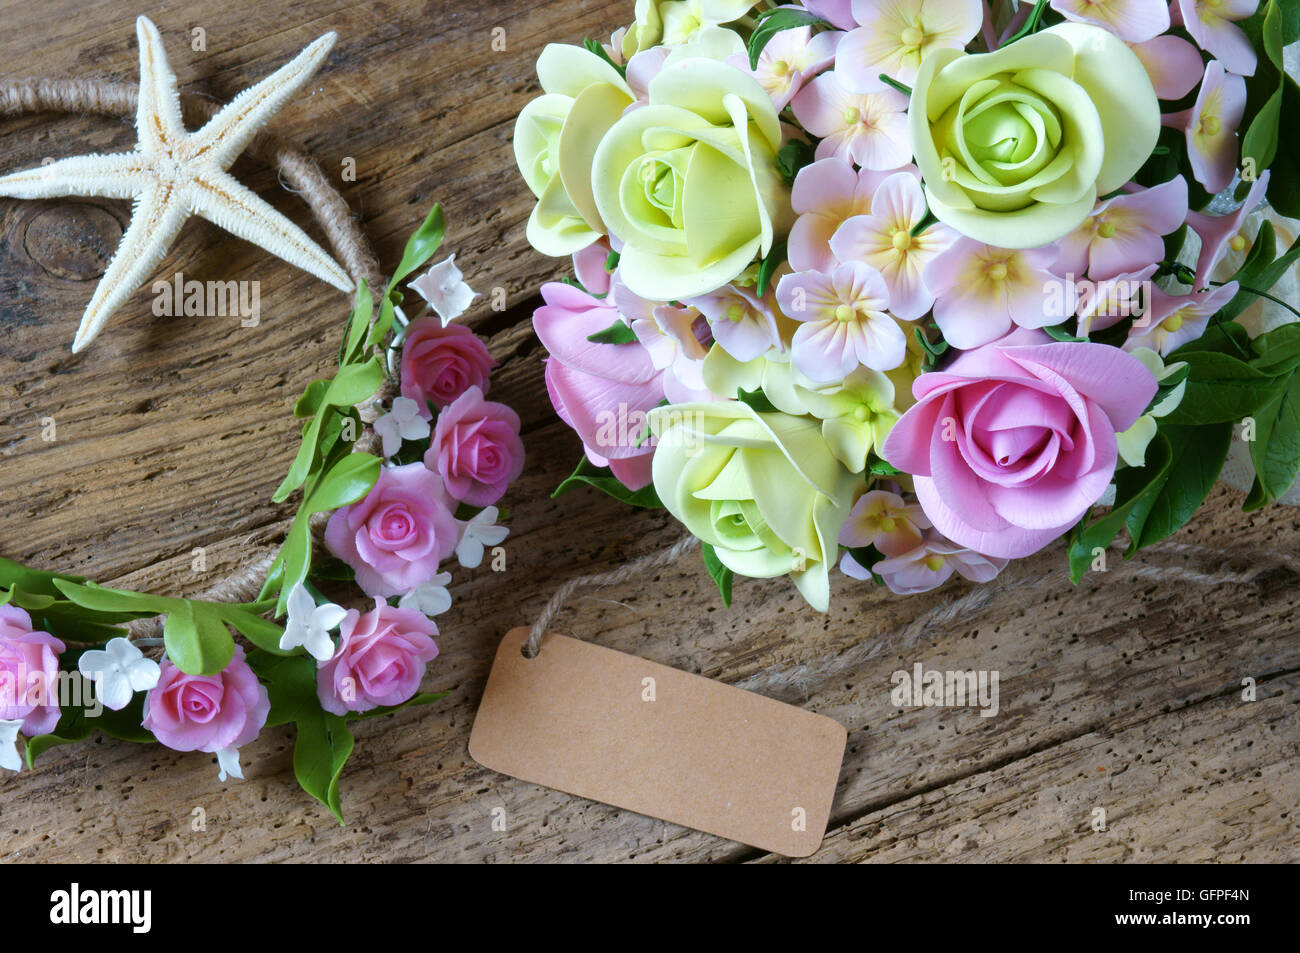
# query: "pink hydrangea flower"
(884, 240)
(1124, 233)
(380, 660)
(1173, 320)
(893, 36)
(591, 384)
(476, 449)
(1211, 127)
(440, 363)
(844, 323)
(397, 535)
(932, 563)
(677, 340)
(1102, 304)
(1212, 24)
(883, 519)
(1013, 441)
(827, 193)
(869, 128)
(838, 13)
(1218, 233)
(789, 60)
(1173, 64)
(743, 324)
(29, 673)
(1133, 21)
(208, 713)
(982, 291)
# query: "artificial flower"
(308, 624)
(476, 449)
(477, 533)
(933, 563)
(1133, 21)
(228, 765)
(741, 323)
(844, 321)
(207, 712)
(1224, 234)
(1102, 304)
(1212, 24)
(381, 658)
(1211, 127)
(789, 60)
(883, 519)
(893, 36)
(439, 363)
(119, 670)
(1124, 233)
(431, 597)
(29, 673)
(1133, 442)
(1171, 320)
(826, 194)
(869, 128)
(444, 287)
(10, 758)
(403, 422)
(673, 22)
(1173, 64)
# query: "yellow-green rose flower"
(763, 489)
(673, 22)
(689, 182)
(556, 137)
(1016, 145)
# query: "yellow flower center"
(1237, 242)
(844, 313)
(888, 524)
(1174, 321)
(852, 116)
(780, 68)
(861, 413)
(911, 36)
(1210, 125)
(1106, 230)
(902, 239)
(998, 271)
(934, 563)
(735, 312)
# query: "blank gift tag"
(641, 736)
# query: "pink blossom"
(932, 563)
(1102, 304)
(380, 660)
(1133, 21)
(1173, 320)
(440, 363)
(207, 712)
(870, 128)
(844, 322)
(476, 449)
(1218, 233)
(981, 291)
(789, 60)
(1013, 441)
(893, 36)
(29, 673)
(1212, 25)
(591, 384)
(1173, 64)
(885, 520)
(826, 194)
(589, 267)
(743, 325)
(397, 535)
(1124, 233)
(1211, 127)
(838, 13)
(884, 240)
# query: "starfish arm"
(158, 120)
(229, 131)
(118, 176)
(224, 202)
(155, 222)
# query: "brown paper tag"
(641, 736)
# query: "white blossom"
(444, 287)
(431, 598)
(309, 625)
(403, 422)
(119, 670)
(476, 534)
(228, 764)
(10, 759)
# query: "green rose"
(556, 137)
(689, 182)
(1016, 145)
(763, 489)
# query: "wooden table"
(1121, 695)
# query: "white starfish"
(174, 173)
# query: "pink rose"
(380, 659)
(207, 712)
(602, 391)
(29, 673)
(1013, 441)
(441, 363)
(395, 538)
(476, 448)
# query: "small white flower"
(431, 598)
(309, 625)
(403, 422)
(228, 764)
(443, 286)
(119, 671)
(10, 759)
(477, 534)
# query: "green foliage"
(720, 574)
(792, 157)
(620, 332)
(771, 22)
(1271, 136)
(757, 400)
(603, 479)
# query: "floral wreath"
(921, 287)
(401, 466)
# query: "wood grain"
(1122, 693)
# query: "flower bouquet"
(921, 286)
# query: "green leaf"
(720, 574)
(1196, 457)
(757, 400)
(1167, 387)
(768, 266)
(197, 641)
(1136, 488)
(1275, 450)
(261, 632)
(1260, 271)
(384, 323)
(292, 563)
(792, 157)
(1059, 333)
(603, 479)
(1221, 389)
(358, 325)
(773, 22)
(423, 698)
(620, 332)
(881, 467)
(310, 401)
(125, 725)
(73, 726)
(593, 47)
(1278, 351)
(290, 686)
(32, 580)
(1260, 141)
(135, 605)
(322, 749)
(421, 246)
(347, 481)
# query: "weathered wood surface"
(1122, 694)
